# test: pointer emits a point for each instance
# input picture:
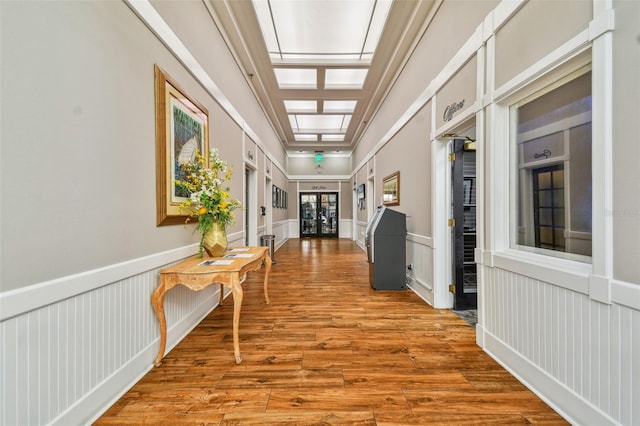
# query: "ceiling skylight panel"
(328, 29)
(301, 106)
(313, 123)
(305, 137)
(266, 25)
(345, 122)
(377, 25)
(339, 106)
(294, 123)
(296, 78)
(333, 138)
(345, 78)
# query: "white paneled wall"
(281, 231)
(345, 228)
(360, 240)
(420, 256)
(589, 349)
(61, 362)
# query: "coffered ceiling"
(321, 68)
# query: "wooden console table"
(197, 273)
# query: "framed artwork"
(361, 196)
(182, 127)
(391, 190)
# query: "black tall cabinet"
(385, 238)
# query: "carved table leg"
(266, 278)
(157, 302)
(238, 293)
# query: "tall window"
(553, 149)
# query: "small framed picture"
(391, 190)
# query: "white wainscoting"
(344, 229)
(581, 356)
(360, 239)
(281, 231)
(294, 229)
(66, 361)
(420, 256)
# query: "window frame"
(562, 271)
(534, 90)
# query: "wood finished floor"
(329, 350)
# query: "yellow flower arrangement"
(209, 198)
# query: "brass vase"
(215, 240)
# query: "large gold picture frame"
(182, 127)
(391, 190)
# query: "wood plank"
(405, 378)
(449, 419)
(478, 401)
(337, 400)
(281, 378)
(353, 418)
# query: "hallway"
(329, 350)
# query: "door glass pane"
(544, 198)
(544, 180)
(308, 207)
(558, 179)
(329, 216)
(546, 217)
(558, 197)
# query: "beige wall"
(346, 200)
(293, 207)
(626, 151)
(458, 95)
(93, 177)
(537, 29)
(409, 152)
(330, 165)
(226, 136)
